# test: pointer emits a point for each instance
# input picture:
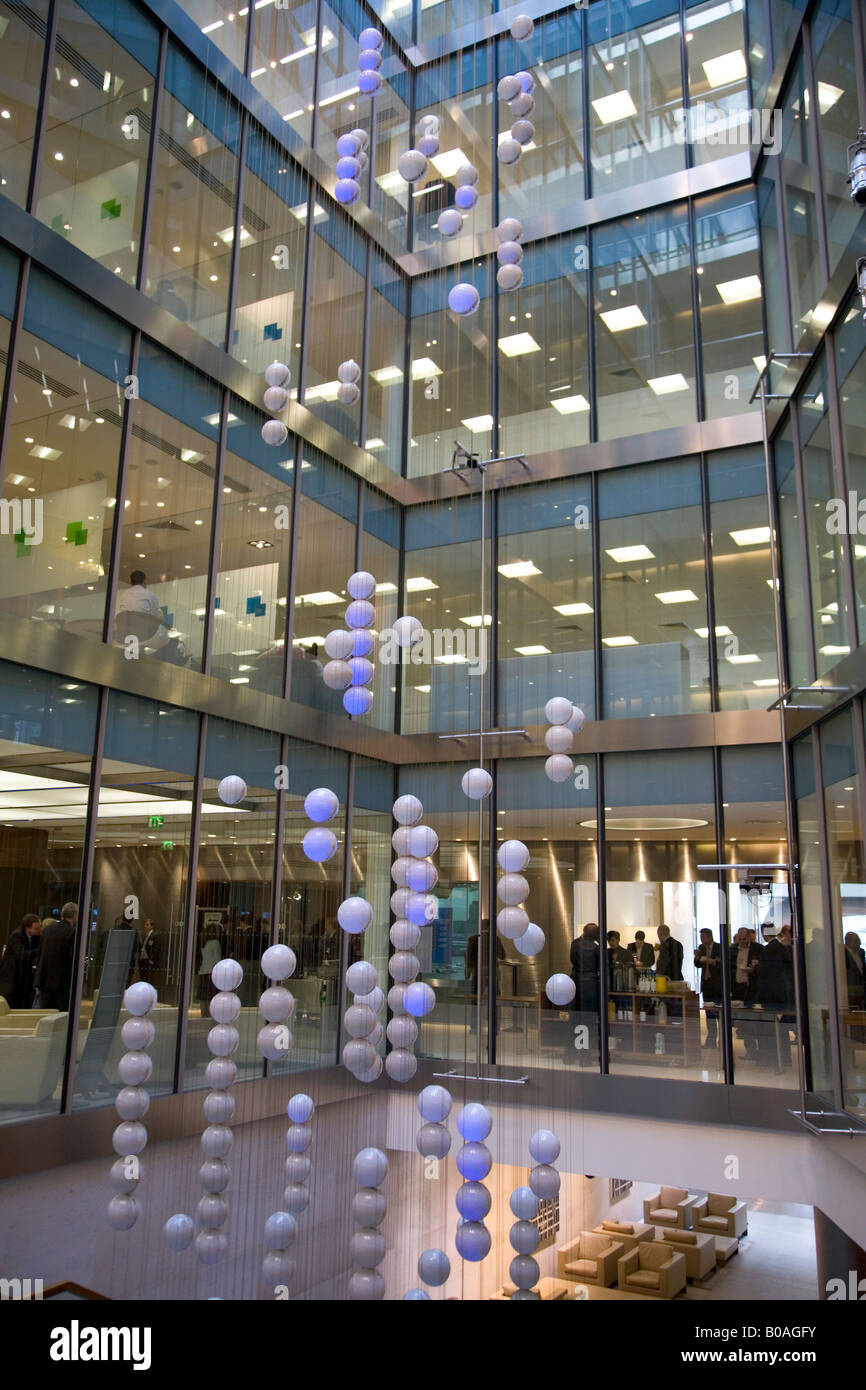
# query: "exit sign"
(154, 822)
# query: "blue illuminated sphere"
(434, 1268)
(434, 1103)
(474, 1121)
(544, 1146)
(416, 1296)
(473, 1201)
(466, 197)
(362, 642)
(419, 1000)
(360, 613)
(300, 1108)
(463, 299)
(474, 1161)
(524, 1203)
(319, 845)
(347, 191)
(357, 700)
(472, 1241)
(321, 804)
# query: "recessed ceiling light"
(571, 610)
(475, 619)
(834, 651)
(58, 156)
(666, 385)
(624, 554)
(753, 535)
(518, 344)
(739, 291)
(41, 451)
(618, 320)
(771, 681)
(375, 444)
(728, 67)
(478, 424)
(423, 367)
(614, 107)
(419, 585)
(385, 375)
(760, 361)
(620, 641)
(321, 597)
(448, 162)
(570, 405)
(518, 569)
(677, 596)
(828, 95)
(533, 651)
(721, 631)
(422, 689)
(744, 659)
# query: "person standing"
(642, 952)
(56, 959)
(585, 968)
(744, 956)
(708, 959)
(670, 957)
(149, 955)
(18, 965)
(855, 971)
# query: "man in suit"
(670, 957)
(18, 965)
(56, 956)
(708, 959)
(744, 956)
(585, 968)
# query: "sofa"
(628, 1233)
(698, 1251)
(651, 1268)
(31, 1059)
(670, 1206)
(719, 1215)
(590, 1259)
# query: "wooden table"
(687, 1027)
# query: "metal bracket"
(488, 733)
(497, 1080)
(802, 1116)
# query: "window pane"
(195, 187)
(778, 334)
(64, 447)
(9, 271)
(459, 90)
(654, 610)
(386, 362)
(47, 728)
(342, 107)
(283, 63)
(730, 296)
(224, 25)
(545, 616)
(836, 84)
(830, 616)
(334, 333)
(91, 184)
(851, 374)
(644, 330)
(22, 42)
(793, 576)
(381, 557)
(813, 917)
(806, 275)
(389, 195)
(719, 117)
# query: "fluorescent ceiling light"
(475, 620)
(322, 596)
(448, 162)
(422, 367)
(518, 569)
(828, 95)
(450, 659)
(617, 320)
(620, 641)
(428, 188)
(239, 680)
(624, 554)
(835, 651)
(228, 235)
(570, 405)
(326, 391)
(518, 344)
(728, 67)
(215, 419)
(478, 424)
(41, 451)
(340, 96)
(754, 535)
(760, 361)
(614, 107)
(209, 28)
(191, 456)
(419, 585)
(666, 385)
(532, 651)
(391, 181)
(300, 212)
(301, 53)
(386, 587)
(375, 444)
(677, 596)
(739, 291)
(571, 610)
(385, 375)
(721, 631)
(744, 659)
(297, 641)
(772, 583)
(67, 422)
(423, 689)
(767, 681)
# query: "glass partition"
(284, 63)
(730, 296)
(827, 540)
(22, 44)
(843, 799)
(460, 90)
(817, 947)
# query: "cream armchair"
(670, 1206)
(31, 1062)
(590, 1259)
(698, 1251)
(653, 1269)
(718, 1215)
(628, 1233)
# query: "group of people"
(39, 958)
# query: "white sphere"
(370, 1167)
(348, 393)
(429, 121)
(139, 999)
(357, 1056)
(400, 841)
(277, 374)
(274, 1041)
(412, 166)
(123, 1212)
(512, 922)
(360, 613)
(523, 132)
(560, 990)
(232, 790)
(366, 1286)
(531, 942)
(433, 1140)
(512, 889)
(210, 1246)
(300, 1108)
(467, 174)
(348, 372)
(509, 277)
(403, 967)
(434, 1104)
(558, 710)
(544, 1146)
(320, 805)
(463, 299)
(370, 38)
(378, 1033)
(374, 999)
(508, 151)
(362, 976)
(544, 1181)
(357, 700)
(132, 1102)
(223, 1040)
(220, 1073)
(423, 841)
(178, 1231)
(428, 144)
(396, 995)
(134, 1068)
(422, 908)
(509, 229)
(476, 783)
(526, 80)
(281, 1228)
(137, 1033)
(400, 868)
(274, 432)
(466, 197)
(359, 1020)
(509, 253)
(218, 1107)
(120, 1177)
(361, 584)
(372, 1073)
(508, 88)
(559, 767)
(227, 973)
(400, 1064)
(348, 145)
(276, 398)
(369, 82)
(399, 899)
(407, 810)
(512, 856)
(129, 1138)
(354, 915)
(404, 935)
(522, 27)
(337, 675)
(360, 135)
(419, 999)
(298, 1138)
(523, 105)
(421, 875)
(319, 845)
(224, 1007)
(450, 222)
(279, 962)
(298, 1167)
(559, 738)
(407, 631)
(577, 720)
(369, 1207)
(296, 1198)
(348, 167)
(339, 644)
(216, 1141)
(525, 1237)
(402, 1032)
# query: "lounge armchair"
(590, 1259)
(670, 1206)
(720, 1215)
(699, 1251)
(628, 1233)
(653, 1269)
(31, 1061)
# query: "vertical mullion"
(782, 229)
(815, 157)
(687, 101)
(277, 865)
(314, 122)
(413, 108)
(829, 934)
(84, 893)
(491, 263)
(407, 382)
(700, 394)
(707, 527)
(120, 497)
(401, 586)
(234, 269)
(491, 806)
(15, 331)
(603, 1048)
(42, 107)
(365, 346)
(188, 954)
(293, 568)
(837, 455)
(490, 636)
(152, 157)
(213, 557)
(858, 27)
(808, 616)
(592, 373)
(583, 19)
(725, 1013)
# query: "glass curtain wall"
(794, 576)
(833, 624)
(850, 348)
(386, 360)
(381, 558)
(718, 77)
(459, 90)
(834, 48)
(730, 296)
(817, 946)
(223, 24)
(284, 64)
(801, 206)
(22, 44)
(335, 327)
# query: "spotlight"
(857, 168)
